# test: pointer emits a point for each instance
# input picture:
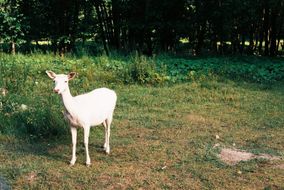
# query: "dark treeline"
(147, 26)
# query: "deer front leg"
(74, 141)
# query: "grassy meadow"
(173, 117)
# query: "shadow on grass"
(3, 184)
(51, 149)
(22, 148)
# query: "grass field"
(163, 136)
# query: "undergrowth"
(27, 107)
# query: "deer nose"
(56, 90)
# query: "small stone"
(3, 91)
(216, 145)
(164, 167)
(24, 107)
(217, 137)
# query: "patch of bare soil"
(280, 166)
(31, 177)
(199, 119)
(234, 156)
(194, 118)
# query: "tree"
(147, 26)
(11, 28)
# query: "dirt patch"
(194, 118)
(31, 177)
(199, 119)
(280, 166)
(234, 156)
(268, 157)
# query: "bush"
(249, 69)
(143, 70)
(31, 116)
(41, 122)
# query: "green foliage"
(31, 116)
(10, 27)
(26, 109)
(150, 27)
(30, 107)
(143, 70)
(250, 69)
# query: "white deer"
(86, 110)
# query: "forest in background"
(186, 27)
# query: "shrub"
(143, 70)
(30, 116)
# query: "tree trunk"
(54, 45)
(280, 29)
(61, 48)
(200, 39)
(101, 28)
(260, 42)
(266, 29)
(242, 46)
(116, 23)
(107, 24)
(13, 48)
(262, 28)
(74, 31)
(272, 33)
(234, 40)
(251, 43)
(214, 43)
(256, 40)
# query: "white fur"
(86, 110)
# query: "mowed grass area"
(162, 137)
(172, 119)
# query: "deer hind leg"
(86, 143)
(107, 124)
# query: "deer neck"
(68, 101)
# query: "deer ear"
(71, 75)
(51, 74)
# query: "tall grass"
(23, 76)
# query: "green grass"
(163, 135)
